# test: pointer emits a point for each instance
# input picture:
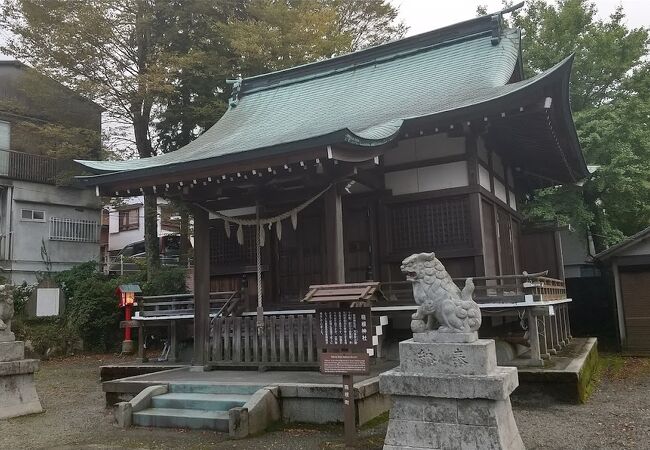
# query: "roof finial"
(497, 22)
(496, 29)
(236, 88)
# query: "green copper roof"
(362, 98)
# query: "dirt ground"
(616, 416)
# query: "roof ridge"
(379, 60)
(452, 33)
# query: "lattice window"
(227, 251)
(74, 230)
(430, 225)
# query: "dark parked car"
(133, 255)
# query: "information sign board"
(340, 329)
(344, 363)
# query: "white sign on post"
(47, 302)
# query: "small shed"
(630, 264)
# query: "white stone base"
(450, 396)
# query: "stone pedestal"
(450, 395)
(18, 395)
(128, 347)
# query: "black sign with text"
(340, 329)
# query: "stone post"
(18, 395)
(449, 393)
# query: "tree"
(169, 59)
(605, 50)
(610, 95)
(105, 49)
(274, 35)
(205, 44)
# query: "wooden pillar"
(556, 329)
(142, 357)
(471, 149)
(543, 341)
(334, 236)
(171, 357)
(568, 322)
(560, 325)
(533, 339)
(550, 332)
(201, 286)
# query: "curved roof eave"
(377, 135)
(567, 117)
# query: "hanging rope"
(292, 213)
(260, 237)
(258, 247)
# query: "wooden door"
(357, 238)
(299, 256)
(541, 250)
(635, 290)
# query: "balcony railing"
(493, 289)
(29, 167)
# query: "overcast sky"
(425, 15)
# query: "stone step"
(182, 418)
(199, 401)
(211, 388)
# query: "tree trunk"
(151, 243)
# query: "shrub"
(50, 336)
(92, 312)
(70, 279)
(21, 295)
(168, 280)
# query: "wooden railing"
(183, 304)
(495, 289)
(545, 288)
(285, 340)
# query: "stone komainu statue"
(437, 296)
(6, 308)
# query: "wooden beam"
(201, 286)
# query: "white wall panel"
(423, 148)
(513, 200)
(484, 177)
(402, 182)
(431, 178)
(482, 151)
(437, 146)
(443, 176)
(497, 165)
(113, 221)
(500, 191)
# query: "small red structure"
(126, 295)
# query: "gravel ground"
(616, 416)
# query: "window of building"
(5, 135)
(130, 219)
(73, 230)
(430, 224)
(32, 215)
